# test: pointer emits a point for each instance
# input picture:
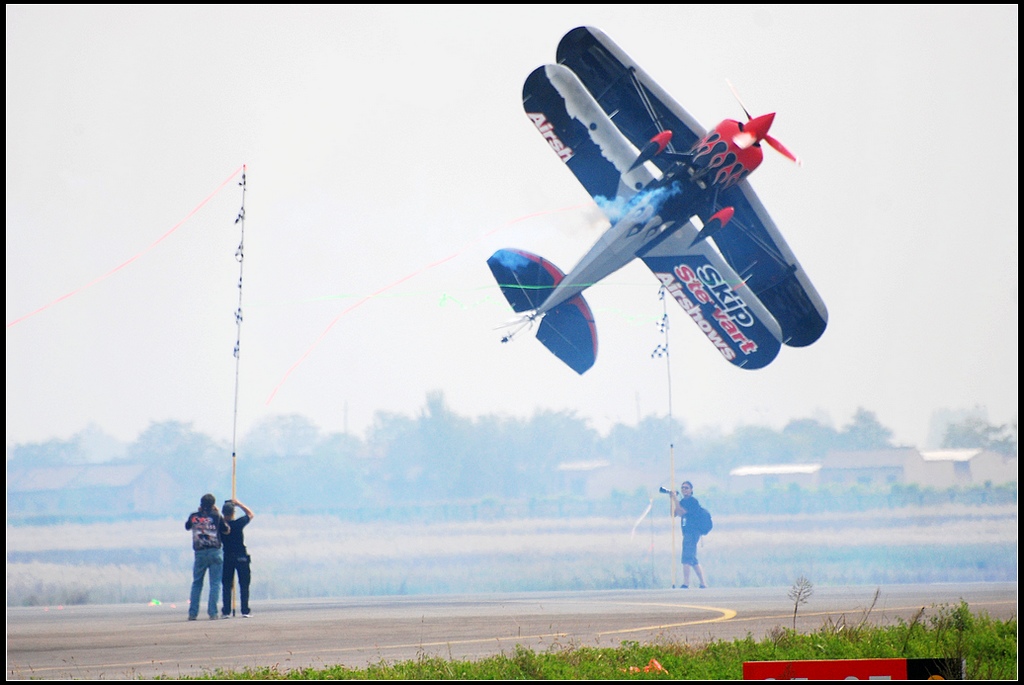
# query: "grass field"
(323, 556)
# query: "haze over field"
(388, 156)
(322, 556)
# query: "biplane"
(677, 197)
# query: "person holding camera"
(207, 526)
(236, 558)
(687, 506)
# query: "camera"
(665, 490)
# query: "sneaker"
(213, 617)
(246, 615)
(685, 587)
(225, 615)
(703, 587)
(191, 618)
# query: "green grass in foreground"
(988, 646)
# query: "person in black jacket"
(688, 504)
(236, 558)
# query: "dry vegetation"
(312, 556)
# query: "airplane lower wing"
(735, 321)
(755, 248)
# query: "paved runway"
(133, 641)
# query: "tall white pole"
(663, 351)
(240, 257)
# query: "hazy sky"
(388, 155)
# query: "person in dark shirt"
(236, 558)
(208, 527)
(688, 504)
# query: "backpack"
(701, 521)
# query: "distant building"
(773, 476)
(871, 467)
(937, 469)
(577, 476)
(969, 466)
(89, 490)
(599, 478)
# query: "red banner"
(855, 669)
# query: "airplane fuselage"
(683, 191)
(659, 208)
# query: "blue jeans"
(212, 560)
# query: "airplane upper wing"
(633, 100)
(582, 135)
(751, 243)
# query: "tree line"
(288, 464)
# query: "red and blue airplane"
(677, 197)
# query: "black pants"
(231, 565)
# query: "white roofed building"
(773, 475)
(977, 466)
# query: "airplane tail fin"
(568, 330)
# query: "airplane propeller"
(756, 130)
